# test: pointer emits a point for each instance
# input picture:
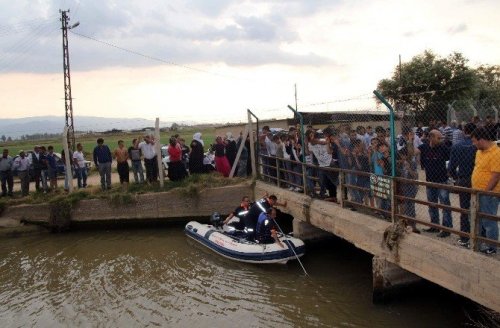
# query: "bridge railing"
(389, 200)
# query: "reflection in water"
(160, 278)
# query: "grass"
(89, 141)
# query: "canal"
(157, 277)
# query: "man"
(22, 164)
(147, 148)
(239, 213)
(485, 177)
(6, 177)
(433, 159)
(460, 169)
(121, 156)
(52, 168)
(457, 134)
(102, 160)
(134, 153)
(266, 227)
(324, 152)
(255, 210)
(81, 169)
(369, 135)
(39, 163)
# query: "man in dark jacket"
(460, 168)
(433, 158)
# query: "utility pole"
(68, 100)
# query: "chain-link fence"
(421, 172)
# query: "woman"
(196, 154)
(176, 170)
(221, 162)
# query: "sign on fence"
(380, 186)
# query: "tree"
(427, 83)
(9, 139)
(4, 138)
(174, 127)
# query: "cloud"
(183, 32)
(457, 29)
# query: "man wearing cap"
(22, 164)
(6, 162)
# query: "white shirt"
(321, 154)
(148, 150)
(78, 155)
(22, 164)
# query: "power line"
(154, 58)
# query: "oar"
(291, 248)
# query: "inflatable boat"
(235, 246)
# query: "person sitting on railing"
(407, 168)
(433, 158)
(486, 176)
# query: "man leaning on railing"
(485, 176)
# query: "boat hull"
(239, 249)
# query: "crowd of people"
(39, 165)
(465, 154)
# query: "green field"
(89, 141)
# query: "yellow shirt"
(487, 162)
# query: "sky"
(210, 61)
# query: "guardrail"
(276, 170)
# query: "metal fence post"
(393, 132)
(341, 187)
(474, 221)
(278, 181)
(393, 200)
(304, 177)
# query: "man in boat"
(240, 213)
(266, 227)
(256, 209)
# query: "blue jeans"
(81, 176)
(464, 198)
(443, 195)
(138, 171)
(489, 205)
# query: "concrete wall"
(462, 271)
(162, 205)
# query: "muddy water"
(157, 277)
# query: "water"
(157, 277)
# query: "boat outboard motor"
(216, 220)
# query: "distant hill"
(16, 127)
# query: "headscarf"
(229, 136)
(197, 137)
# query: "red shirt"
(175, 153)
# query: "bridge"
(414, 256)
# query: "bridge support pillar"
(306, 231)
(389, 279)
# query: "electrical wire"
(133, 52)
